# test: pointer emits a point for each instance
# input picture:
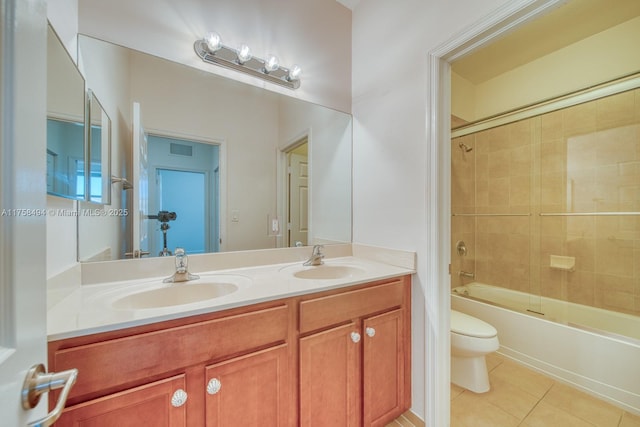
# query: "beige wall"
(602, 57)
(584, 158)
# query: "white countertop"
(88, 309)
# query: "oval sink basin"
(174, 294)
(327, 272)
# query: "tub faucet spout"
(182, 274)
(466, 274)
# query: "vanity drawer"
(331, 310)
(128, 361)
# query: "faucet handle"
(317, 249)
(181, 260)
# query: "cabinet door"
(330, 378)
(251, 390)
(384, 368)
(150, 405)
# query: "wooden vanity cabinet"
(355, 350)
(142, 373)
(146, 405)
(250, 390)
(337, 358)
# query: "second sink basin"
(182, 293)
(325, 271)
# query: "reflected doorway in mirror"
(185, 180)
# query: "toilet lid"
(464, 324)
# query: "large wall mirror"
(66, 134)
(228, 166)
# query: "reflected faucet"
(182, 274)
(316, 256)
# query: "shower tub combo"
(590, 348)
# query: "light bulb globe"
(294, 73)
(244, 54)
(213, 41)
(271, 63)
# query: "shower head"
(465, 147)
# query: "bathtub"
(592, 349)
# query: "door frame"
(505, 18)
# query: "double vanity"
(264, 343)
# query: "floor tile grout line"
(538, 402)
(576, 415)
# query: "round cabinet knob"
(179, 398)
(213, 386)
(355, 337)
(370, 332)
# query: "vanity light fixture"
(211, 50)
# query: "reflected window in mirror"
(66, 135)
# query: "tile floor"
(402, 422)
(520, 397)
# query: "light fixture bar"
(228, 58)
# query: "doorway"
(298, 193)
(182, 192)
(438, 188)
(183, 195)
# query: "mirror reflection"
(215, 165)
(99, 152)
(65, 123)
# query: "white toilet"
(471, 340)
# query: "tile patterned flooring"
(520, 397)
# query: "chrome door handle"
(39, 382)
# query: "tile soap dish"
(566, 263)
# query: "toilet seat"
(466, 325)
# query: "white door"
(140, 186)
(23, 310)
(183, 192)
(298, 199)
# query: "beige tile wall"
(584, 158)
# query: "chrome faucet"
(466, 274)
(316, 256)
(182, 274)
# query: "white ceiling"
(565, 25)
